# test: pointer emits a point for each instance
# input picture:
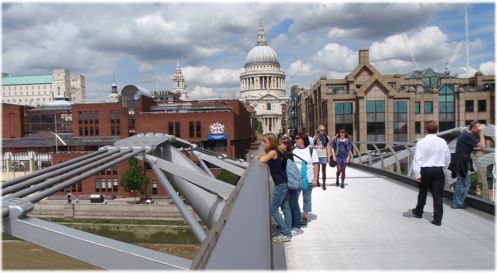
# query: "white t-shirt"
(304, 153)
(319, 147)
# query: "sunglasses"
(298, 138)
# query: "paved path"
(365, 226)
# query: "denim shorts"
(323, 160)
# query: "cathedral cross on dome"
(261, 40)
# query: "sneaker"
(282, 238)
(414, 214)
(297, 231)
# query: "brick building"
(13, 120)
(220, 125)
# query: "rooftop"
(22, 80)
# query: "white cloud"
(279, 42)
(200, 92)
(335, 57)
(487, 68)
(145, 67)
(206, 76)
(298, 68)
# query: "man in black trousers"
(431, 157)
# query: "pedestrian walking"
(461, 162)
(341, 151)
(277, 167)
(320, 143)
(305, 157)
(285, 145)
(431, 156)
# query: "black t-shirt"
(277, 168)
(466, 142)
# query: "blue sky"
(141, 43)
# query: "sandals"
(304, 221)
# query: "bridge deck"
(366, 226)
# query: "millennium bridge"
(366, 225)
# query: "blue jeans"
(461, 190)
(307, 199)
(295, 208)
(280, 199)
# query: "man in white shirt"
(432, 155)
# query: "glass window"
(170, 128)
(417, 107)
(428, 107)
(269, 106)
(199, 129)
(482, 105)
(417, 127)
(191, 129)
(400, 106)
(97, 185)
(375, 106)
(470, 106)
(90, 117)
(339, 108)
(115, 184)
(177, 129)
(154, 187)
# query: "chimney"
(363, 56)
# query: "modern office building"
(262, 85)
(38, 90)
(376, 107)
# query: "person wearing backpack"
(295, 185)
(277, 167)
(307, 161)
(341, 151)
(320, 144)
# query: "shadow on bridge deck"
(366, 226)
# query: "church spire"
(114, 85)
(179, 83)
(261, 40)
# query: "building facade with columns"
(38, 90)
(262, 85)
(392, 108)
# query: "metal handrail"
(381, 157)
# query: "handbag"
(333, 163)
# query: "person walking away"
(431, 156)
(303, 152)
(341, 151)
(285, 146)
(320, 142)
(461, 162)
(277, 167)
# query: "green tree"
(228, 177)
(134, 178)
(258, 127)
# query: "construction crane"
(452, 59)
(410, 50)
